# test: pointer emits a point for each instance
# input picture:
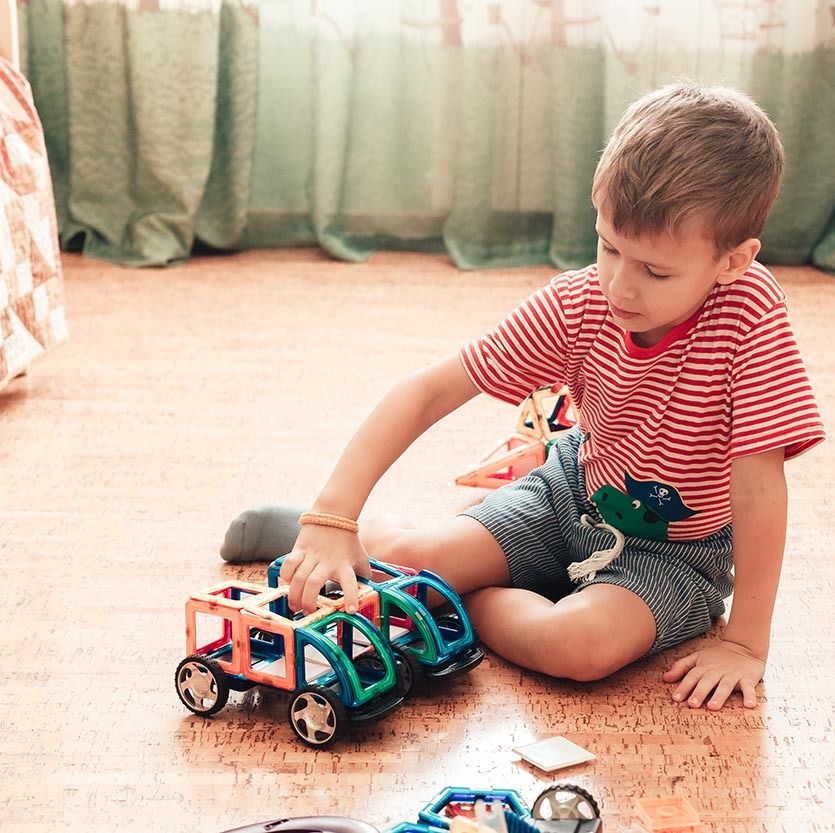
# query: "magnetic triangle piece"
(554, 410)
(510, 460)
(528, 423)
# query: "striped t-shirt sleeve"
(528, 349)
(773, 404)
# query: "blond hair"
(690, 152)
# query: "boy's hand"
(719, 668)
(323, 553)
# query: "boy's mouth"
(621, 313)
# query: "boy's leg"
(584, 636)
(460, 550)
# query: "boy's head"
(688, 153)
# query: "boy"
(690, 392)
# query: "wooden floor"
(188, 394)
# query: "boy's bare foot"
(261, 534)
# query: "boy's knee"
(586, 650)
(591, 663)
(588, 658)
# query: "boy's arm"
(758, 505)
(404, 413)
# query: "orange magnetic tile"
(672, 813)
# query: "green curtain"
(359, 124)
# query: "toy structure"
(338, 667)
(437, 642)
(561, 808)
(452, 802)
(543, 416)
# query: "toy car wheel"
(317, 716)
(449, 621)
(565, 801)
(332, 590)
(201, 685)
(411, 671)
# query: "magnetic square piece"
(672, 813)
(554, 753)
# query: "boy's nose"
(621, 286)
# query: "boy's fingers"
(688, 683)
(749, 692)
(310, 595)
(363, 569)
(289, 566)
(723, 690)
(348, 581)
(297, 585)
(680, 667)
(706, 684)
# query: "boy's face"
(655, 282)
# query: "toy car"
(436, 642)
(338, 667)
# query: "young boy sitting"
(691, 393)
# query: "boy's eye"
(610, 251)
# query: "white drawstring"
(598, 559)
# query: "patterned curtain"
(32, 315)
(470, 126)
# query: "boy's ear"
(735, 262)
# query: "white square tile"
(554, 753)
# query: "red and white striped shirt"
(726, 383)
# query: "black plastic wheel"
(332, 590)
(411, 671)
(371, 666)
(450, 621)
(565, 801)
(317, 716)
(201, 685)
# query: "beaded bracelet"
(325, 519)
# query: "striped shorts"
(536, 521)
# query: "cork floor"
(188, 394)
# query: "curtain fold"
(435, 125)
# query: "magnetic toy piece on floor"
(553, 753)
(671, 813)
(543, 416)
(561, 808)
(511, 459)
(337, 667)
(435, 642)
(308, 824)
(546, 413)
(460, 801)
(561, 805)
